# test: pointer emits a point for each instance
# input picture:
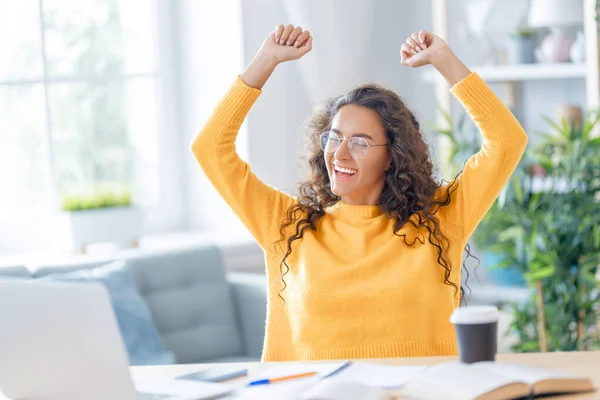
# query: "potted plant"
(464, 141)
(103, 214)
(548, 226)
(521, 46)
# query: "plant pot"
(121, 225)
(521, 50)
(501, 276)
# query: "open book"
(490, 380)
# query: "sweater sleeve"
(487, 172)
(259, 206)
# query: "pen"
(283, 378)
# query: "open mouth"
(344, 173)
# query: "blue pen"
(259, 382)
(283, 378)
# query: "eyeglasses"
(357, 147)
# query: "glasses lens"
(329, 142)
(359, 148)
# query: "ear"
(389, 164)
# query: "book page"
(530, 375)
(541, 379)
(456, 381)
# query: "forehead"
(353, 119)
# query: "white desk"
(580, 363)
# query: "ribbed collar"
(355, 210)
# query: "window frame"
(167, 213)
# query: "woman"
(365, 261)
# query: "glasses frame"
(342, 139)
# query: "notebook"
(490, 380)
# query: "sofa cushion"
(250, 299)
(14, 272)
(191, 302)
(139, 333)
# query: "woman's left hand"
(420, 47)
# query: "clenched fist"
(286, 43)
(420, 47)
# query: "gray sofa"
(202, 313)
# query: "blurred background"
(99, 100)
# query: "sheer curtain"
(210, 53)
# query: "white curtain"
(343, 37)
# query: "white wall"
(273, 124)
(211, 56)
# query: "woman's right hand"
(286, 43)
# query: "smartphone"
(217, 373)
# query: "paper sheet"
(287, 390)
(322, 370)
(381, 376)
(183, 390)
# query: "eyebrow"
(362, 135)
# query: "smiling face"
(358, 181)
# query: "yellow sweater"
(354, 289)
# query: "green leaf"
(589, 277)
(511, 233)
(518, 190)
(590, 123)
(594, 142)
(540, 273)
(504, 264)
(552, 124)
(530, 346)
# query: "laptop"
(60, 341)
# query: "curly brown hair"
(410, 193)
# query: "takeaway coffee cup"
(476, 330)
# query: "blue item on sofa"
(510, 276)
(142, 340)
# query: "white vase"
(577, 51)
(555, 47)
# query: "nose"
(343, 151)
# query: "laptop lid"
(60, 341)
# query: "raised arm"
(259, 206)
(504, 140)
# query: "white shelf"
(507, 73)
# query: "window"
(78, 99)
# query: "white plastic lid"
(471, 315)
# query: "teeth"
(346, 170)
